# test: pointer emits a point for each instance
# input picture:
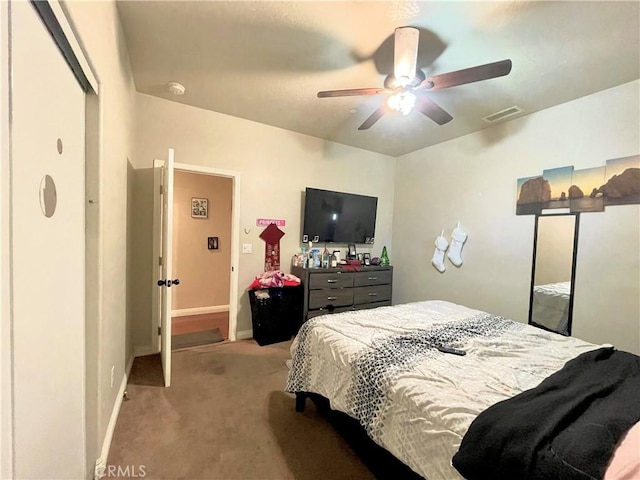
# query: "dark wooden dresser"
(333, 290)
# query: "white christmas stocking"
(438, 256)
(458, 237)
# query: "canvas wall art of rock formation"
(587, 190)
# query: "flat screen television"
(336, 217)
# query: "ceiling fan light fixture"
(407, 78)
(402, 102)
(403, 81)
(414, 80)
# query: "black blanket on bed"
(566, 428)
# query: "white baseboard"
(101, 462)
(184, 312)
(244, 334)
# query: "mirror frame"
(573, 271)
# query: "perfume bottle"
(325, 258)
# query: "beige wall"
(6, 367)
(275, 166)
(203, 273)
(473, 179)
(100, 34)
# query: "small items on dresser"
(384, 258)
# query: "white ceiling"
(265, 61)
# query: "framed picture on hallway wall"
(199, 208)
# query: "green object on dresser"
(384, 258)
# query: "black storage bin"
(278, 317)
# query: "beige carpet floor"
(226, 417)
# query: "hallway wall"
(203, 273)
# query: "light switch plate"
(247, 248)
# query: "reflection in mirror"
(553, 272)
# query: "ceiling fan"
(407, 85)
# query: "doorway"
(161, 328)
(202, 220)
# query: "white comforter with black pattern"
(383, 368)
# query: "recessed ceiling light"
(176, 88)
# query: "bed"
(551, 306)
(382, 367)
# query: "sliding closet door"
(47, 205)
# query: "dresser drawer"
(330, 280)
(335, 297)
(374, 277)
(376, 293)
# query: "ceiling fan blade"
(467, 75)
(405, 52)
(428, 107)
(373, 118)
(350, 92)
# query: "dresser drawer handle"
(332, 298)
(373, 294)
(332, 281)
(372, 278)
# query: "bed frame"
(382, 464)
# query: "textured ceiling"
(266, 61)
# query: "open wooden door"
(166, 282)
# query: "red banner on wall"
(271, 236)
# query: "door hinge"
(160, 260)
(161, 189)
(159, 330)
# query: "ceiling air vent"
(502, 114)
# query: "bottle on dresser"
(314, 258)
(325, 258)
(310, 260)
(302, 258)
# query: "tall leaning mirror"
(553, 271)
